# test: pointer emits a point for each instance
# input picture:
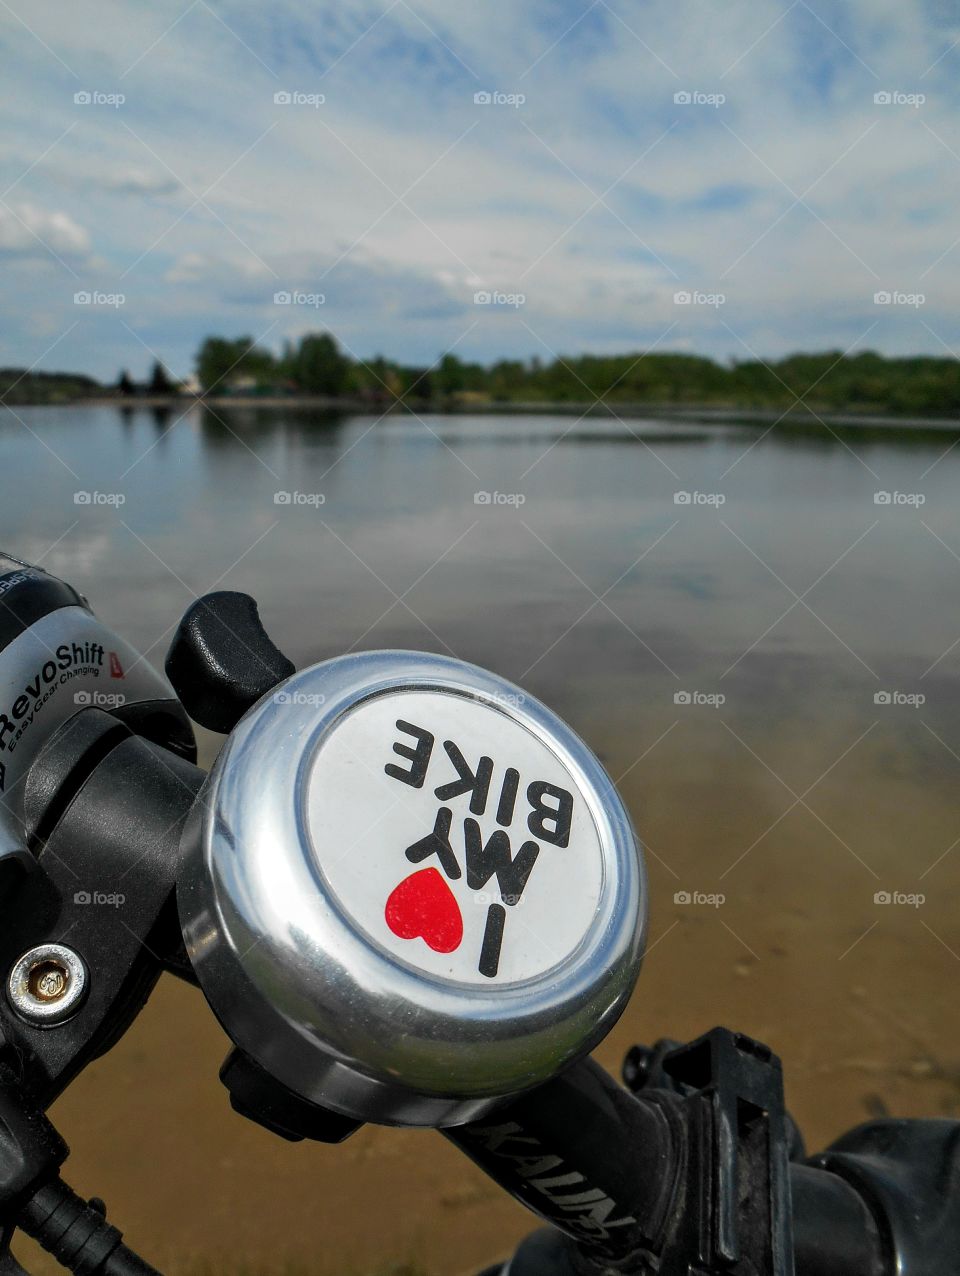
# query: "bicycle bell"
(409, 891)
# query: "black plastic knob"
(221, 660)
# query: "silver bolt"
(47, 984)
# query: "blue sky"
(782, 187)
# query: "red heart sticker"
(423, 906)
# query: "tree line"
(867, 381)
(918, 385)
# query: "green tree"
(221, 361)
(319, 366)
(376, 379)
(448, 377)
(287, 363)
(160, 382)
(826, 380)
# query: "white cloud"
(134, 181)
(26, 229)
(694, 196)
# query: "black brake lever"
(222, 661)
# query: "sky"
(738, 180)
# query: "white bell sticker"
(454, 837)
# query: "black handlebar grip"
(593, 1160)
(221, 660)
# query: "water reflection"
(226, 420)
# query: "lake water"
(715, 607)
